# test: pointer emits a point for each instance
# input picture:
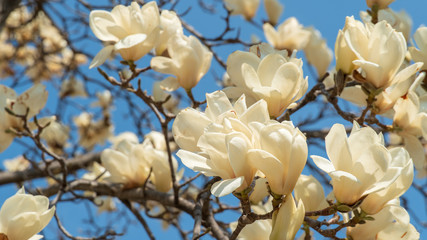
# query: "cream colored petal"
(196, 162)
(225, 187)
(169, 84)
(274, 9)
(101, 22)
(34, 98)
(284, 226)
(130, 41)
(338, 148)
(102, 56)
(268, 66)
(270, 166)
(271, 34)
(117, 165)
(347, 188)
(234, 65)
(258, 112)
(237, 148)
(187, 128)
(323, 163)
(164, 65)
(217, 104)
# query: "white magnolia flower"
(290, 35)
(72, 88)
(391, 223)
(34, 99)
(105, 99)
(317, 52)
(131, 31)
(260, 229)
(56, 135)
(420, 54)
(189, 61)
(360, 164)
(16, 164)
(218, 141)
(310, 192)
(23, 215)
(92, 132)
(274, 78)
(400, 21)
(288, 219)
(281, 156)
(381, 4)
(131, 163)
(170, 24)
(274, 9)
(380, 52)
(246, 8)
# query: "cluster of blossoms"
(33, 41)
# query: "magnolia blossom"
(130, 164)
(400, 21)
(282, 154)
(290, 35)
(93, 132)
(410, 124)
(381, 4)
(392, 222)
(374, 202)
(360, 164)
(317, 52)
(105, 99)
(247, 8)
(218, 141)
(420, 54)
(56, 135)
(32, 100)
(160, 95)
(170, 24)
(274, 9)
(380, 52)
(287, 220)
(260, 190)
(310, 192)
(344, 56)
(386, 99)
(23, 215)
(72, 88)
(189, 61)
(131, 31)
(275, 78)
(16, 164)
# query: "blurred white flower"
(274, 9)
(381, 4)
(420, 54)
(391, 223)
(290, 35)
(131, 31)
(56, 135)
(246, 8)
(16, 164)
(72, 88)
(400, 21)
(189, 61)
(23, 215)
(317, 52)
(33, 100)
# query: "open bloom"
(290, 35)
(23, 215)
(287, 220)
(282, 154)
(420, 55)
(392, 222)
(360, 164)
(246, 8)
(189, 61)
(34, 99)
(130, 164)
(380, 52)
(219, 141)
(400, 21)
(274, 78)
(131, 31)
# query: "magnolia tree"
(141, 141)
